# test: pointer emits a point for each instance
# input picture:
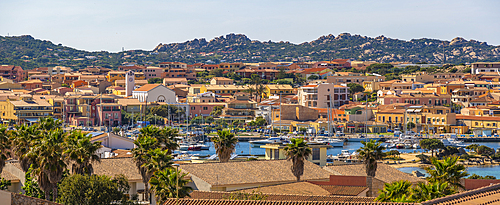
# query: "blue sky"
(110, 25)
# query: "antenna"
(123, 49)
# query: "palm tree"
(49, 123)
(447, 170)
(4, 146)
(370, 153)
(394, 190)
(157, 160)
(140, 153)
(260, 89)
(425, 192)
(165, 183)
(22, 140)
(250, 90)
(168, 139)
(82, 152)
(224, 144)
(297, 151)
(49, 160)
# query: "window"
(116, 115)
(205, 108)
(193, 108)
(315, 154)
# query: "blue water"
(492, 170)
(244, 148)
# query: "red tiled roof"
(484, 195)
(218, 195)
(147, 87)
(267, 202)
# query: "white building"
(154, 93)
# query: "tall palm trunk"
(369, 184)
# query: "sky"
(95, 25)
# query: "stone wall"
(18, 199)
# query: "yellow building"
(371, 86)
(277, 151)
(223, 89)
(112, 76)
(25, 110)
(277, 90)
(230, 66)
(57, 105)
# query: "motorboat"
(452, 143)
(343, 155)
(330, 141)
(362, 138)
(272, 140)
(190, 147)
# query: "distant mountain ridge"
(29, 52)
(238, 47)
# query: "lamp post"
(155, 119)
(176, 183)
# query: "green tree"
(313, 77)
(82, 152)
(484, 150)
(167, 183)
(424, 192)
(4, 184)
(116, 130)
(297, 152)
(431, 144)
(224, 143)
(472, 147)
(78, 189)
(475, 176)
(410, 125)
(4, 146)
(355, 88)
(156, 160)
(216, 72)
(168, 139)
(370, 152)
(217, 110)
(30, 186)
(394, 190)
(155, 81)
(446, 170)
(23, 139)
(50, 161)
(143, 144)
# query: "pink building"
(109, 113)
(31, 84)
(149, 72)
(197, 109)
(12, 72)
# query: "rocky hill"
(29, 52)
(238, 47)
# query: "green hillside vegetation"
(30, 53)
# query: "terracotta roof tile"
(187, 201)
(249, 172)
(384, 172)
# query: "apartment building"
(177, 70)
(221, 81)
(483, 67)
(323, 95)
(26, 109)
(15, 73)
(239, 108)
(149, 72)
(415, 99)
(349, 77)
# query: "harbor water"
(245, 148)
(492, 170)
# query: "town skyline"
(95, 26)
